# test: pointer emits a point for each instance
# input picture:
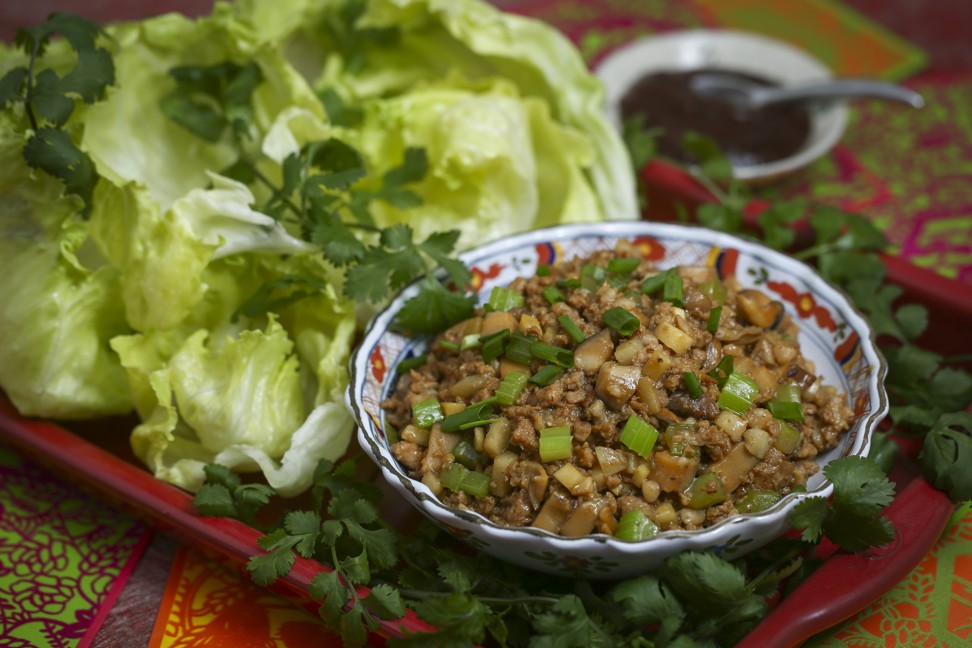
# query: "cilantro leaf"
(647, 600)
(860, 486)
(567, 625)
(947, 454)
(775, 222)
(385, 601)
(277, 562)
(214, 500)
(810, 515)
(434, 309)
(52, 151)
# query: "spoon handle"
(840, 89)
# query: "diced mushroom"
(554, 512)
(651, 397)
(734, 467)
(702, 407)
(758, 309)
(673, 474)
(529, 325)
(593, 352)
(496, 321)
(532, 477)
(499, 484)
(497, 438)
(616, 384)
(581, 521)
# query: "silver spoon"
(751, 94)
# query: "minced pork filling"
(603, 395)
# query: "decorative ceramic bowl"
(832, 334)
(734, 51)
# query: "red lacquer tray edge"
(161, 505)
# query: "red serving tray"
(96, 456)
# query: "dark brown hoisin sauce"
(746, 136)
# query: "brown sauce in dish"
(746, 136)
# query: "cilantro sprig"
(49, 98)
(327, 193)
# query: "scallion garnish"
(465, 453)
(458, 478)
(450, 346)
(411, 363)
(692, 384)
(552, 295)
(654, 283)
(622, 265)
(571, 327)
(427, 412)
(714, 290)
(543, 270)
(476, 414)
(621, 320)
(738, 393)
(556, 443)
(560, 357)
(546, 375)
(639, 436)
(470, 341)
(634, 527)
(722, 370)
(494, 344)
(518, 348)
(714, 316)
(592, 276)
(673, 291)
(503, 299)
(569, 284)
(511, 387)
(787, 404)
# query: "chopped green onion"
(411, 363)
(475, 483)
(592, 276)
(677, 437)
(494, 344)
(639, 436)
(451, 346)
(465, 453)
(560, 357)
(569, 284)
(511, 387)
(787, 404)
(543, 270)
(518, 348)
(451, 477)
(714, 316)
(757, 500)
(503, 299)
(476, 414)
(654, 283)
(738, 393)
(707, 490)
(426, 413)
(552, 295)
(673, 290)
(546, 375)
(458, 478)
(714, 290)
(634, 526)
(722, 370)
(470, 341)
(622, 265)
(556, 443)
(571, 327)
(692, 384)
(621, 320)
(788, 439)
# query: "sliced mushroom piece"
(702, 407)
(594, 352)
(532, 477)
(616, 383)
(758, 309)
(554, 512)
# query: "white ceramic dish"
(732, 51)
(833, 335)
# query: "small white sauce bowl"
(732, 51)
(833, 335)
